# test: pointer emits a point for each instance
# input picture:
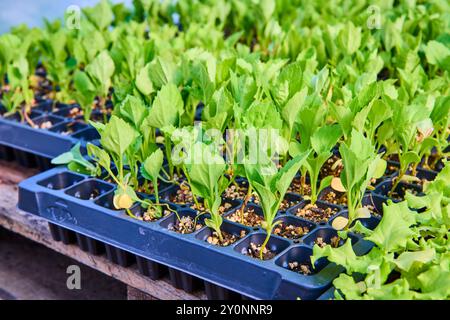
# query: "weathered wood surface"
(36, 229)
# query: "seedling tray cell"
(35, 147)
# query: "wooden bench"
(36, 229)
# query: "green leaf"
(263, 115)
(436, 53)
(325, 138)
(350, 38)
(144, 82)
(152, 166)
(407, 259)
(293, 106)
(167, 107)
(84, 85)
(162, 71)
(343, 255)
(99, 155)
(118, 136)
(393, 232)
(101, 70)
(436, 280)
(349, 288)
(100, 15)
(133, 110)
(288, 172)
(205, 169)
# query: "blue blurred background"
(31, 12)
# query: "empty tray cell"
(106, 201)
(89, 190)
(293, 228)
(298, 259)
(326, 235)
(47, 121)
(230, 232)
(188, 222)
(69, 128)
(61, 181)
(250, 246)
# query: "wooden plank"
(36, 229)
(135, 294)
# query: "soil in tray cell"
(254, 251)
(302, 268)
(227, 238)
(289, 201)
(298, 259)
(334, 197)
(250, 217)
(335, 241)
(315, 212)
(148, 215)
(297, 187)
(332, 167)
(185, 225)
(224, 207)
(290, 231)
(183, 195)
(235, 192)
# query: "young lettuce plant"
(56, 62)
(361, 165)
(440, 117)
(165, 114)
(150, 170)
(410, 245)
(20, 96)
(207, 180)
(310, 117)
(117, 138)
(271, 186)
(95, 81)
(322, 142)
(406, 135)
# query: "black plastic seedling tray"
(32, 147)
(62, 198)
